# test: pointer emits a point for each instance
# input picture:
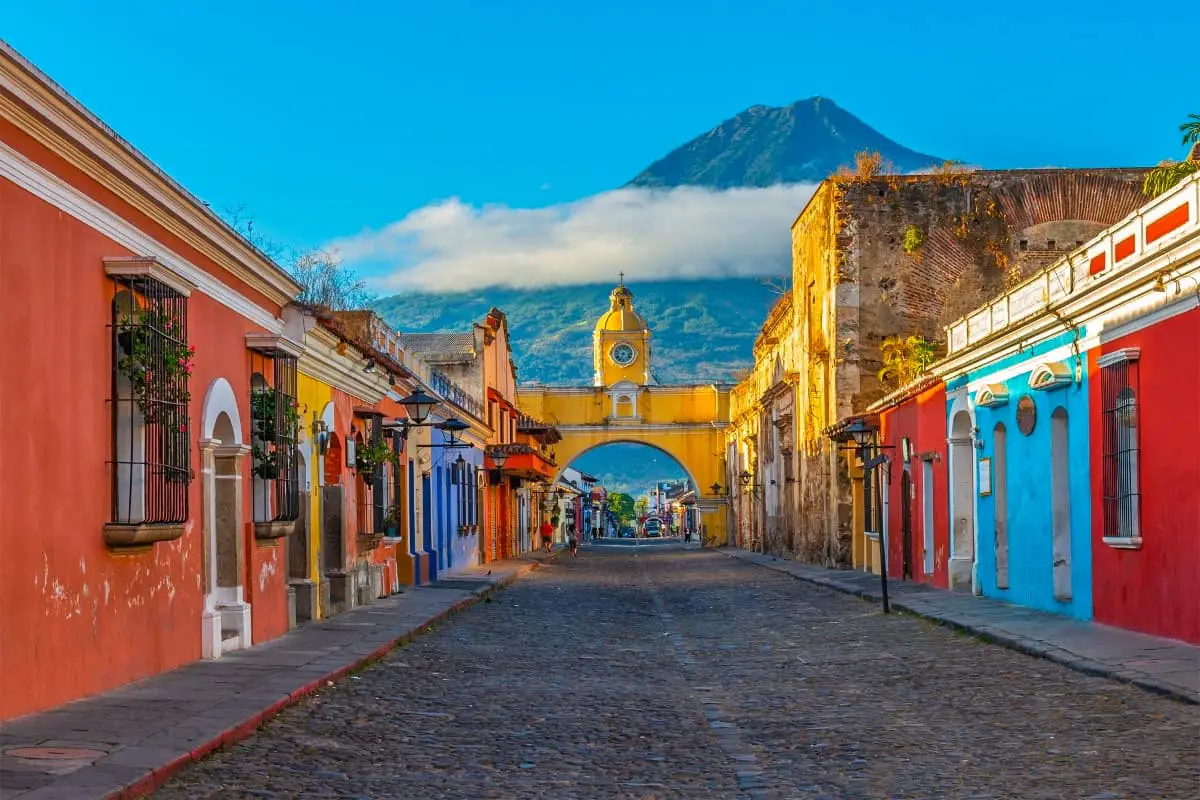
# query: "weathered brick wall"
(982, 231)
(854, 285)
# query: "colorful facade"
(233, 460)
(127, 314)
(686, 422)
(1063, 403)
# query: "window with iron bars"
(274, 433)
(1121, 481)
(151, 368)
(465, 476)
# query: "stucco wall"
(80, 618)
(922, 420)
(1156, 589)
(1029, 483)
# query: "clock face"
(623, 354)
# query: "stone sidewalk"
(1165, 666)
(124, 743)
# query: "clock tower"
(621, 343)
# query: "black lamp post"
(499, 457)
(419, 404)
(863, 436)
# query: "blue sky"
(327, 119)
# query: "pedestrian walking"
(572, 540)
(547, 532)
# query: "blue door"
(427, 525)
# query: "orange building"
(132, 321)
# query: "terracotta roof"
(447, 345)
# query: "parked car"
(652, 528)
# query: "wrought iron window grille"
(1121, 479)
(274, 435)
(150, 466)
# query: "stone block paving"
(1165, 666)
(124, 742)
(686, 674)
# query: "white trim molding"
(1050, 375)
(45, 111)
(274, 341)
(147, 267)
(1119, 356)
(992, 395)
(48, 187)
(1123, 542)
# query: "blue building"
(1018, 422)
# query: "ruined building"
(881, 256)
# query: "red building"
(1144, 381)
(913, 504)
(126, 320)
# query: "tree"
(329, 282)
(326, 280)
(904, 358)
(1168, 173)
(621, 504)
(641, 507)
(1191, 130)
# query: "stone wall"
(854, 284)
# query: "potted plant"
(391, 521)
(272, 413)
(156, 359)
(370, 456)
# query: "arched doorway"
(226, 619)
(962, 501)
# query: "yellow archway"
(687, 422)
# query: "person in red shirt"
(547, 535)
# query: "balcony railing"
(455, 394)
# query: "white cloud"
(688, 232)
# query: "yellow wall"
(676, 419)
(312, 396)
(655, 405)
(610, 371)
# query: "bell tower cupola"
(621, 342)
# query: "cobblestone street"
(665, 673)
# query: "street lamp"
(499, 457)
(453, 428)
(864, 437)
(419, 404)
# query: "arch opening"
(641, 482)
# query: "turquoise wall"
(1029, 482)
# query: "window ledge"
(393, 539)
(118, 535)
(1123, 542)
(274, 530)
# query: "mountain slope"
(762, 146)
(703, 330)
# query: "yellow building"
(624, 404)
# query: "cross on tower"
(622, 274)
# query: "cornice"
(322, 362)
(51, 189)
(43, 110)
(1086, 306)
